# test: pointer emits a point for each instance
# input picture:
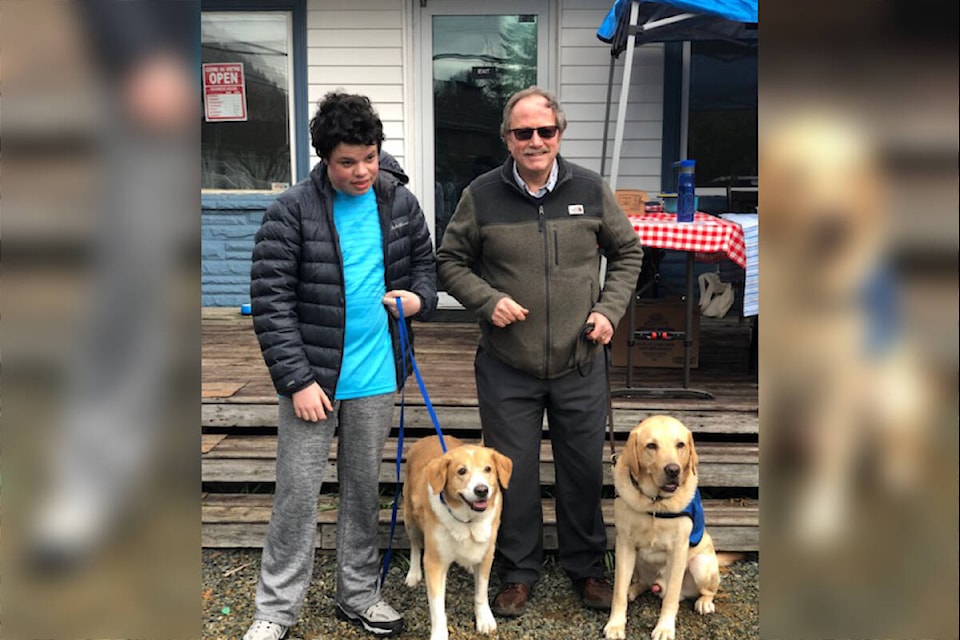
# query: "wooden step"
(236, 416)
(240, 520)
(252, 459)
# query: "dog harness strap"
(693, 510)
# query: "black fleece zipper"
(546, 288)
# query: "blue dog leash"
(404, 345)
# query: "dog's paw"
(704, 605)
(414, 575)
(634, 591)
(664, 631)
(439, 633)
(486, 623)
(615, 631)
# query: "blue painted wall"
(228, 224)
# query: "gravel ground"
(554, 613)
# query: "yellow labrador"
(451, 511)
(661, 541)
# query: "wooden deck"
(240, 420)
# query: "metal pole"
(606, 118)
(624, 95)
(684, 98)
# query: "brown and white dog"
(451, 511)
(661, 542)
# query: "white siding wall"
(584, 66)
(357, 46)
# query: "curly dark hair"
(344, 117)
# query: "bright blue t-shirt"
(368, 366)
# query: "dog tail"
(727, 558)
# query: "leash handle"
(606, 366)
(388, 554)
(404, 345)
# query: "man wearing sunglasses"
(522, 252)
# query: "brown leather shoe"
(511, 601)
(595, 593)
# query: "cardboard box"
(667, 314)
(631, 201)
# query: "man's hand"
(410, 301)
(602, 329)
(311, 403)
(507, 312)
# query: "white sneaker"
(264, 630)
(379, 618)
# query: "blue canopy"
(633, 22)
(666, 20)
(736, 10)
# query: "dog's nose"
(481, 490)
(672, 470)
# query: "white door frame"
(423, 75)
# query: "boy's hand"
(410, 300)
(311, 403)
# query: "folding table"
(708, 239)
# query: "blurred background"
(100, 464)
(100, 305)
(858, 147)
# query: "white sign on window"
(224, 92)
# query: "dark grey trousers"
(303, 447)
(512, 404)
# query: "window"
(479, 61)
(722, 123)
(247, 133)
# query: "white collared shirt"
(545, 189)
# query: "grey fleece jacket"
(545, 254)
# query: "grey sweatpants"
(288, 552)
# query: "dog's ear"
(692, 460)
(504, 467)
(436, 474)
(631, 457)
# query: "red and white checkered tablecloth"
(710, 237)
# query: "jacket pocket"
(574, 244)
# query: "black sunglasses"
(526, 133)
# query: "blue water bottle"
(686, 201)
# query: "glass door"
(473, 56)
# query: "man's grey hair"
(552, 102)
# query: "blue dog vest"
(694, 511)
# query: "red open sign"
(224, 92)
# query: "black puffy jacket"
(296, 286)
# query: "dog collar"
(452, 514)
(636, 485)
